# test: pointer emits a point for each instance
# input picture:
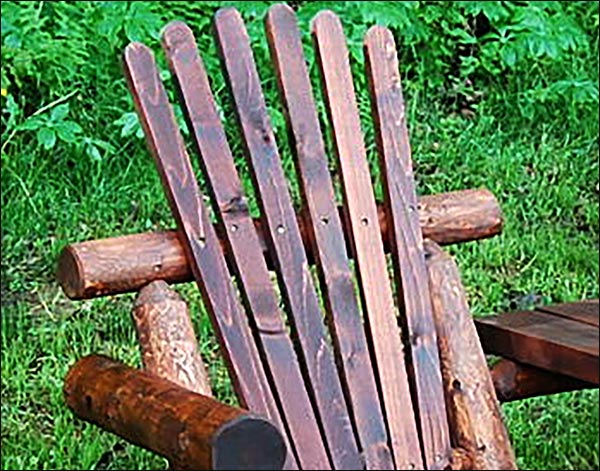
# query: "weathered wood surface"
(474, 412)
(327, 238)
(167, 340)
(543, 340)
(406, 244)
(366, 241)
(193, 431)
(127, 263)
(587, 311)
(199, 239)
(284, 239)
(514, 381)
(244, 246)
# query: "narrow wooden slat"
(587, 312)
(205, 254)
(283, 236)
(543, 340)
(243, 245)
(328, 238)
(406, 243)
(366, 240)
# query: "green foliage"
(500, 94)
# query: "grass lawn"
(502, 95)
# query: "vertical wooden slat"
(327, 237)
(243, 244)
(366, 239)
(283, 236)
(202, 247)
(406, 243)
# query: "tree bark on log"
(124, 264)
(514, 381)
(191, 430)
(167, 340)
(473, 410)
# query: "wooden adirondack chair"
(350, 370)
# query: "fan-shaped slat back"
(200, 240)
(406, 242)
(240, 234)
(283, 236)
(365, 235)
(327, 237)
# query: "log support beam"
(125, 264)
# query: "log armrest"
(191, 430)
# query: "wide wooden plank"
(587, 312)
(365, 235)
(244, 245)
(328, 238)
(543, 340)
(202, 247)
(283, 236)
(406, 243)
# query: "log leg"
(191, 430)
(514, 381)
(474, 412)
(166, 337)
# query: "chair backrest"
(347, 366)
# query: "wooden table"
(561, 339)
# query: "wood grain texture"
(587, 312)
(166, 338)
(202, 249)
(543, 340)
(284, 238)
(192, 430)
(365, 236)
(473, 410)
(406, 243)
(127, 263)
(327, 237)
(514, 381)
(244, 246)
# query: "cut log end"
(70, 273)
(242, 435)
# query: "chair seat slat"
(203, 249)
(244, 246)
(283, 236)
(406, 242)
(328, 238)
(366, 239)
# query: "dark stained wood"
(332, 260)
(244, 246)
(406, 243)
(191, 430)
(127, 263)
(365, 234)
(514, 381)
(284, 238)
(166, 337)
(543, 340)
(474, 412)
(587, 311)
(202, 247)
